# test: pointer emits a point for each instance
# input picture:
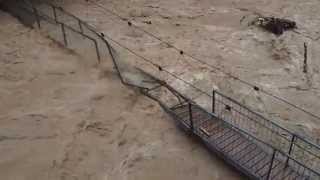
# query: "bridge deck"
(233, 144)
(254, 156)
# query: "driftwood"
(274, 25)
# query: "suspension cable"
(256, 88)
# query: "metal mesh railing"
(280, 138)
(242, 149)
(238, 115)
(284, 146)
(69, 31)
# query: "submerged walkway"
(252, 144)
(252, 157)
(235, 146)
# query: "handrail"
(244, 106)
(175, 92)
(251, 111)
(255, 120)
(304, 149)
(54, 21)
(201, 61)
(92, 29)
(268, 120)
(267, 144)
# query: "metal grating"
(254, 145)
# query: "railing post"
(80, 26)
(36, 14)
(271, 164)
(190, 116)
(290, 148)
(113, 59)
(64, 34)
(97, 50)
(213, 101)
(54, 13)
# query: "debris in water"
(275, 25)
(147, 22)
(305, 62)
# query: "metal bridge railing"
(275, 163)
(276, 156)
(71, 32)
(280, 143)
(238, 115)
